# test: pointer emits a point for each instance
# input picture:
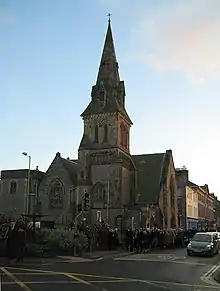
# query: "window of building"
(105, 133)
(99, 216)
(13, 187)
(190, 211)
(96, 133)
(56, 195)
(35, 190)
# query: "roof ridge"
(148, 154)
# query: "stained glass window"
(56, 194)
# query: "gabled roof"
(150, 169)
(204, 188)
(71, 168)
(191, 184)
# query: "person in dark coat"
(11, 241)
(21, 238)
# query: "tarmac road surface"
(155, 271)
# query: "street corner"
(212, 276)
(216, 275)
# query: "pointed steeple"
(108, 69)
(108, 94)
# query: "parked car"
(204, 243)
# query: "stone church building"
(123, 189)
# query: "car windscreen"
(202, 237)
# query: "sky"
(169, 57)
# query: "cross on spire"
(109, 17)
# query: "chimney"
(37, 169)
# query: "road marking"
(68, 282)
(18, 282)
(208, 276)
(79, 280)
(116, 280)
(210, 271)
(47, 272)
(162, 261)
(167, 257)
(32, 274)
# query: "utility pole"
(77, 203)
(28, 183)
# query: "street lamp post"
(108, 199)
(28, 183)
(132, 223)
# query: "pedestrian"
(21, 238)
(11, 241)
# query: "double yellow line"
(26, 288)
(18, 282)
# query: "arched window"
(98, 192)
(13, 187)
(96, 133)
(105, 133)
(56, 195)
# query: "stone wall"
(13, 204)
(110, 120)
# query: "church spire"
(108, 94)
(108, 69)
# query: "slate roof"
(150, 170)
(71, 168)
(191, 184)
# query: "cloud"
(6, 18)
(181, 36)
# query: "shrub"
(62, 239)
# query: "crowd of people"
(143, 239)
(104, 237)
(15, 236)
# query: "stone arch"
(56, 195)
(98, 192)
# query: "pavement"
(154, 271)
